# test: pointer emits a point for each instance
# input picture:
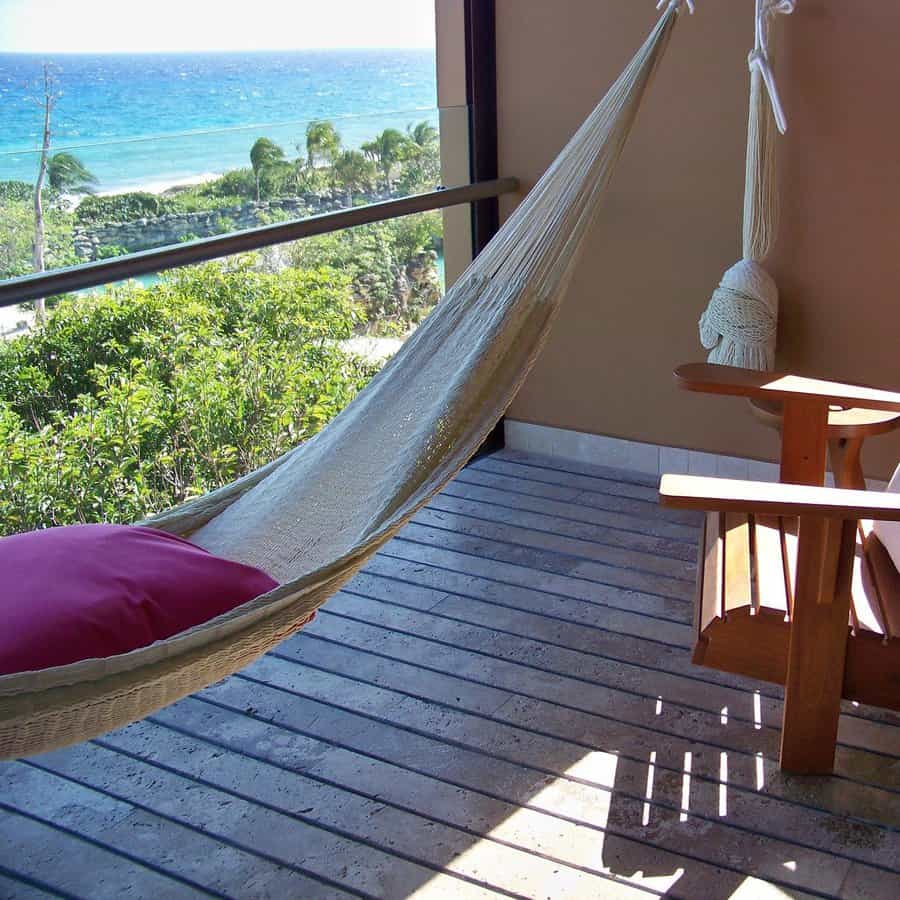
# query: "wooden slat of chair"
(789, 528)
(772, 584)
(738, 592)
(710, 580)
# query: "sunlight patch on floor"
(648, 793)
(723, 783)
(546, 839)
(754, 889)
(686, 787)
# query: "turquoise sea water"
(151, 119)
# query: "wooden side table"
(846, 431)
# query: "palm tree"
(422, 134)
(386, 150)
(67, 174)
(422, 161)
(354, 171)
(323, 143)
(264, 155)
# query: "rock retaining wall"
(160, 231)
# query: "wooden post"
(819, 618)
(803, 441)
(818, 645)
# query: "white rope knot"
(759, 60)
(677, 4)
(739, 325)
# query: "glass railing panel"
(150, 149)
(383, 156)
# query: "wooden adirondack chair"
(789, 590)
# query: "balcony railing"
(95, 274)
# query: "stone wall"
(160, 231)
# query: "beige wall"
(671, 222)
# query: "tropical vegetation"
(138, 398)
(135, 398)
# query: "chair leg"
(818, 645)
(844, 454)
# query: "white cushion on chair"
(889, 532)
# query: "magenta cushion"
(89, 591)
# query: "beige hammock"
(315, 515)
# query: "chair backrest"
(889, 532)
(883, 555)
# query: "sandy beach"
(163, 185)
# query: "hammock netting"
(313, 517)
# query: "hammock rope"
(313, 517)
(676, 5)
(739, 326)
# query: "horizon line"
(208, 50)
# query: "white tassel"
(740, 323)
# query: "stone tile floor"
(501, 703)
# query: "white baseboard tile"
(618, 453)
(635, 456)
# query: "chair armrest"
(712, 379)
(729, 495)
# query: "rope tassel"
(740, 323)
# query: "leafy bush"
(16, 190)
(133, 400)
(96, 210)
(376, 257)
(234, 188)
(236, 183)
(17, 236)
(109, 251)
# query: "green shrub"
(133, 400)
(109, 251)
(16, 190)
(235, 183)
(97, 210)
(373, 256)
(17, 237)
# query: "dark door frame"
(481, 97)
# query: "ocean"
(152, 120)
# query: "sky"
(127, 26)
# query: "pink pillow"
(89, 591)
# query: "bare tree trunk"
(38, 246)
